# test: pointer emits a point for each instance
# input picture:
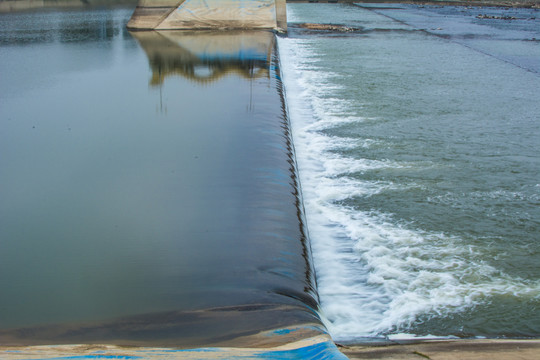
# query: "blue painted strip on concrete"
(321, 351)
(326, 350)
(94, 357)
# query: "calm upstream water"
(148, 192)
(417, 138)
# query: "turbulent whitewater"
(416, 139)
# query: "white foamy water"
(376, 276)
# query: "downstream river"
(417, 134)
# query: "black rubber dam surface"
(148, 186)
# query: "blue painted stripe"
(320, 351)
(93, 357)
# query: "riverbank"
(22, 5)
(480, 3)
(7, 6)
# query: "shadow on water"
(197, 237)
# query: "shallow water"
(417, 141)
(148, 192)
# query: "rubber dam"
(151, 205)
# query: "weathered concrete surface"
(450, 350)
(316, 347)
(209, 14)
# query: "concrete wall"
(209, 14)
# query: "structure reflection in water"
(206, 56)
(181, 230)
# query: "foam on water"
(376, 276)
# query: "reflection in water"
(73, 26)
(206, 56)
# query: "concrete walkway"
(449, 350)
(313, 348)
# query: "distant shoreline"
(7, 6)
(21, 5)
(479, 3)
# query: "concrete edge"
(317, 347)
(447, 349)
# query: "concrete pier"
(209, 14)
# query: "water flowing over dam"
(176, 183)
